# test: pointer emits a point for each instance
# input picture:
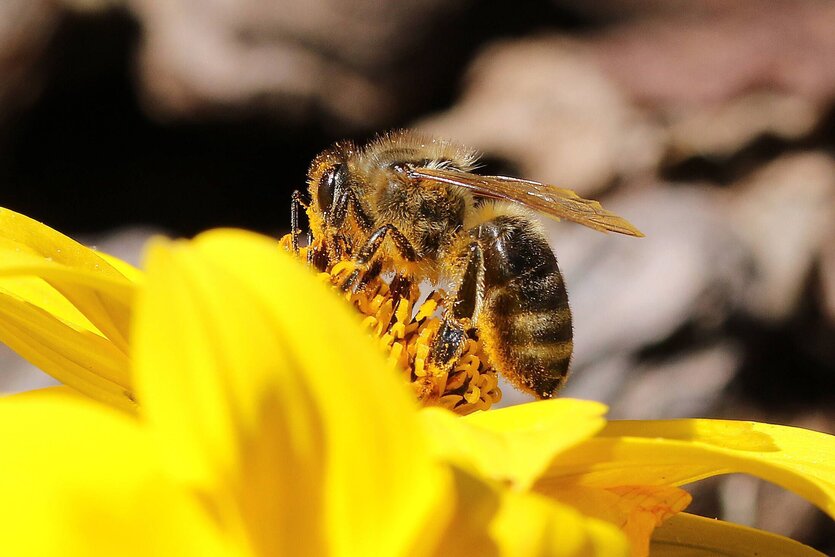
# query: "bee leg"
(401, 287)
(296, 202)
(372, 246)
(341, 247)
(470, 295)
(448, 344)
(345, 199)
(372, 273)
(451, 338)
(317, 257)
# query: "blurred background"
(709, 124)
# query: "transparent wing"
(545, 198)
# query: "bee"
(409, 204)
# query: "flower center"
(405, 328)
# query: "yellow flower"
(269, 424)
(66, 308)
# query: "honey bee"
(410, 204)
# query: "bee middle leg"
(370, 248)
(462, 314)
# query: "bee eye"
(332, 179)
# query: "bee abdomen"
(529, 333)
(526, 321)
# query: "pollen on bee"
(405, 327)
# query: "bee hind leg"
(462, 313)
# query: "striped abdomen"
(525, 322)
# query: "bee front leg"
(295, 203)
(372, 246)
(462, 314)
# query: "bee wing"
(545, 198)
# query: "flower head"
(269, 424)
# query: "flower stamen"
(405, 330)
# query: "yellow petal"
(687, 535)
(39, 293)
(127, 270)
(99, 291)
(44, 393)
(636, 510)
(18, 260)
(531, 525)
(266, 392)
(644, 508)
(527, 436)
(79, 479)
(676, 452)
(78, 358)
(521, 524)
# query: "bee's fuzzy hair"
(409, 146)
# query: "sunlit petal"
(491, 520)
(37, 292)
(634, 509)
(88, 281)
(127, 270)
(23, 261)
(527, 436)
(64, 495)
(252, 372)
(676, 452)
(530, 525)
(79, 358)
(687, 535)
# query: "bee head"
(328, 177)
